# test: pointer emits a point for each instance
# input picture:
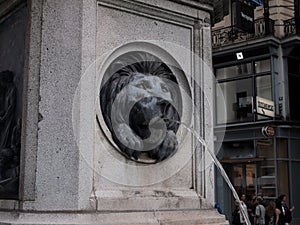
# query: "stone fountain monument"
(116, 105)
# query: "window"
(266, 178)
(264, 87)
(282, 165)
(237, 87)
(237, 95)
(282, 148)
(294, 90)
(294, 148)
(283, 177)
(265, 148)
(243, 178)
(262, 66)
(237, 150)
(233, 71)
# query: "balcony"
(289, 27)
(227, 36)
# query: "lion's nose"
(150, 106)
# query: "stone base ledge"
(199, 217)
(151, 200)
(9, 204)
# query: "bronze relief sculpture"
(10, 134)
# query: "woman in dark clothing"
(283, 213)
(236, 216)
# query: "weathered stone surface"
(121, 29)
(202, 217)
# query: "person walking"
(270, 213)
(236, 214)
(283, 213)
(260, 212)
(243, 208)
(261, 195)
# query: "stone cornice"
(206, 5)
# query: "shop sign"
(244, 16)
(268, 131)
(265, 107)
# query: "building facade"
(256, 64)
(72, 72)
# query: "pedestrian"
(243, 209)
(251, 209)
(283, 213)
(236, 215)
(270, 213)
(259, 212)
(261, 195)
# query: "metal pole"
(267, 17)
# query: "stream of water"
(221, 170)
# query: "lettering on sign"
(265, 107)
(243, 18)
(246, 17)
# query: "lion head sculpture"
(141, 105)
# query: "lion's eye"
(141, 85)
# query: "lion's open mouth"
(146, 110)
